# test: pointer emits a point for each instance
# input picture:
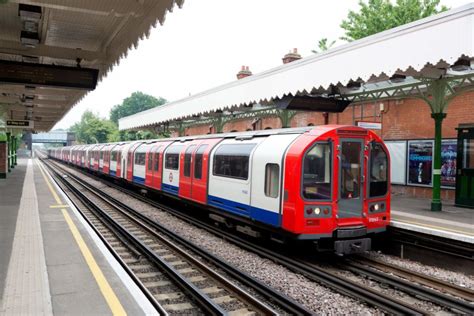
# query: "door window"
(187, 160)
(198, 157)
(350, 169)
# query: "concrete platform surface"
(415, 214)
(51, 262)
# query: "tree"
(135, 103)
(323, 45)
(379, 15)
(92, 129)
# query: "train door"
(185, 174)
(267, 178)
(158, 164)
(201, 169)
(351, 179)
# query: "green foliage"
(379, 15)
(323, 45)
(93, 129)
(135, 103)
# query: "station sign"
(370, 125)
(24, 124)
(48, 75)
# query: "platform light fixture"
(29, 12)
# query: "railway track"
(173, 277)
(311, 271)
(455, 291)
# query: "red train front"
(326, 184)
(337, 187)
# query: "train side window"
(114, 156)
(316, 183)
(172, 157)
(140, 159)
(198, 161)
(272, 186)
(378, 177)
(232, 161)
(187, 160)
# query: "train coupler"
(352, 246)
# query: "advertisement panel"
(420, 162)
(448, 163)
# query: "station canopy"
(52, 52)
(395, 63)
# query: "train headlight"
(317, 211)
(376, 207)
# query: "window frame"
(369, 165)
(228, 176)
(135, 158)
(331, 171)
(173, 152)
(269, 164)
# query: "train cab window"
(187, 160)
(272, 185)
(172, 157)
(317, 173)
(140, 159)
(232, 161)
(378, 178)
(198, 161)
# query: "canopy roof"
(427, 48)
(93, 34)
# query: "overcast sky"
(205, 43)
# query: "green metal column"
(15, 149)
(436, 204)
(9, 151)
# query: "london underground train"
(326, 184)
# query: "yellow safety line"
(108, 293)
(59, 206)
(435, 227)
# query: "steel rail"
(203, 300)
(282, 300)
(332, 281)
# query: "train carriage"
(328, 184)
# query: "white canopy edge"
(442, 37)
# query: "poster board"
(448, 163)
(420, 163)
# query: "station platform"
(51, 262)
(415, 214)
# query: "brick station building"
(400, 120)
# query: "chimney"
(244, 72)
(291, 56)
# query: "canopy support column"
(285, 117)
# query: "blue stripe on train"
(240, 209)
(138, 180)
(169, 188)
(112, 173)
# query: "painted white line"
(134, 290)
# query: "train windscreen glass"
(317, 173)
(378, 171)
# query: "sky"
(204, 45)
